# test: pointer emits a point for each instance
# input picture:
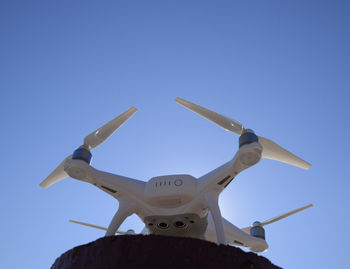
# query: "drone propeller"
(56, 175)
(98, 227)
(101, 134)
(272, 220)
(270, 149)
(91, 141)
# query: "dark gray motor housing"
(83, 154)
(257, 231)
(247, 138)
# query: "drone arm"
(218, 179)
(212, 202)
(117, 186)
(238, 237)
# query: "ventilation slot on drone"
(224, 180)
(108, 189)
(239, 243)
(228, 182)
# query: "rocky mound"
(155, 251)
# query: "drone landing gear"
(123, 212)
(212, 200)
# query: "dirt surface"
(155, 251)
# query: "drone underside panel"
(184, 225)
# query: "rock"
(155, 251)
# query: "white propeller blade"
(222, 121)
(247, 229)
(91, 141)
(285, 215)
(94, 226)
(56, 175)
(275, 152)
(270, 149)
(101, 134)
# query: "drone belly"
(185, 225)
(170, 191)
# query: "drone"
(179, 205)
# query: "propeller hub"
(248, 131)
(257, 230)
(247, 137)
(83, 154)
(256, 223)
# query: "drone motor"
(257, 230)
(247, 137)
(83, 154)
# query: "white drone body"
(179, 205)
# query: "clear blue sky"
(279, 67)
